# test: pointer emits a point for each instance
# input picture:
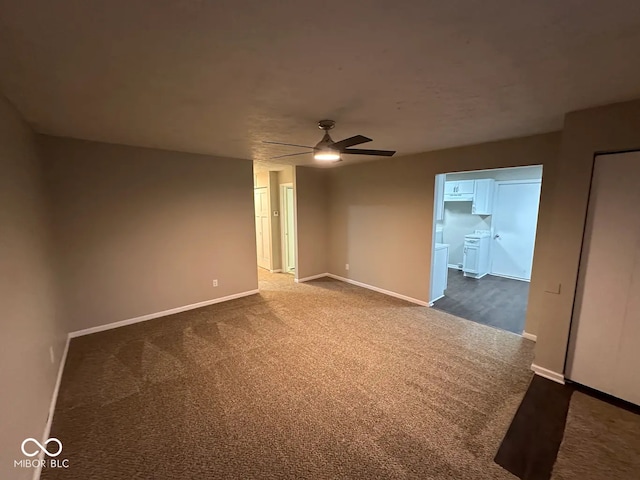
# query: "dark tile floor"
(542, 414)
(495, 301)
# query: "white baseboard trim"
(379, 290)
(277, 270)
(151, 316)
(52, 406)
(510, 277)
(530, 336)
(312, 277)
(454, 266)
(471, 275)
(548, 374)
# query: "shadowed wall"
(30, 324)
(140, 231)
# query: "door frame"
(438, 190)
(283, 219)
(495, 203)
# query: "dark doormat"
(530, 447)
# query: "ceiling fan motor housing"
(325, 143)
(326, 125)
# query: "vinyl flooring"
(495, 301)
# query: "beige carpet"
(601, 441)
(317, 380)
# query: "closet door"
(605, 335)
(628, 372)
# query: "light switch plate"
(553, 288)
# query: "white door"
(605, 329)
(263, 237)
(514, 223)
(289, 230)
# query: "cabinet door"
(450, 187)
(483, 197)
(466, 186)
(460, 187)
(471, 259)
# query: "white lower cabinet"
(475, 262)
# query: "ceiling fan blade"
(290, 155)
(349, 142)
(359, 151)
(287, 144)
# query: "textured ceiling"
(217, 77)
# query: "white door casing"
(514, 223)
(438, 215)
(287, 222)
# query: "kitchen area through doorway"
(483, 242)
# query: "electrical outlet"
(346, 266)
(215, 282)
(51, 355)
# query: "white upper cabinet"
(483, 197)
(459, 190)
(479, 192)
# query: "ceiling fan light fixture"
(327, 155)
(326, 150)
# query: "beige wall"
(612, 128)
(276, 242)
(285, 175)
(30, 324)
(312, 189)
(140, 231)
(381, 212)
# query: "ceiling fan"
(329, 151)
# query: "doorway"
(274, 200)
(484, 231)
(263, 230)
